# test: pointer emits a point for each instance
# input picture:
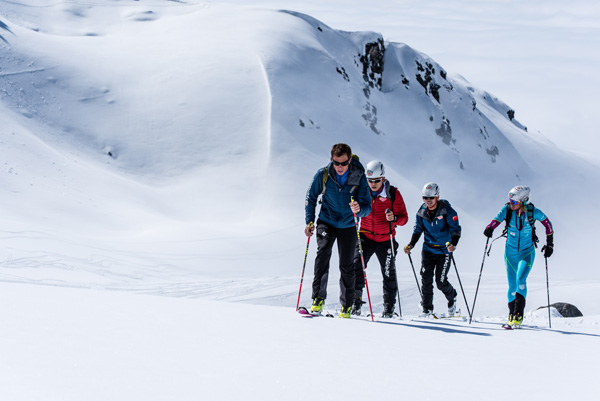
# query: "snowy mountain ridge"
(155, 157)
(156, 131)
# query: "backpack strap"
(530, 209)
(507, 220)
(325, 177)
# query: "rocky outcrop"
(565, 309)
(372, 63)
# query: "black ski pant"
(517, 306)
(346, 243)
(438, 266)
(383, 251)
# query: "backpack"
(530, 208)
(392, 195)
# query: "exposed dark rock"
(302, 124)
(511, 114)
(443, 74)
(372, 63)
(565, 309)
(430, 67)
(343, 73)
(434, 90)
(367, 91)
(484, 133)
(493, 152)
(6, 28)
(445, 132)
(370, 118)
(427, 80)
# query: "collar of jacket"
(441, 210)
(355, 172)
(385, 191)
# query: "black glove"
(488, 232)
(549, 247)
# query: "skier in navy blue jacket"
(439, 222)
(342, 180)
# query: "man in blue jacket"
(439, 222)
(342, 180)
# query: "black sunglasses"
(341, 163)
(375, 181)
(428, 197)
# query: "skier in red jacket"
(377, 231)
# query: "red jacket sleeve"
(400, 210)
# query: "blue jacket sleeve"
(418, 229)
(312, 194)
(501, 216)
(452, 220)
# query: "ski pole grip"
(447, 245)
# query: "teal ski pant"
(518, 266)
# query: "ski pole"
(394, 260)
(362, 259)
(303, 267)
(415, 274)
(548, 290)
(480, 271)
(459, 282)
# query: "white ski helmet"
(520, 193)
(431, 189)
(375, 169)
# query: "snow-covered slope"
(196, 129)
(72, 344)
(164, 148)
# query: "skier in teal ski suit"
(519, 252)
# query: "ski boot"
(345, 312)
(509, 323)
(427, 313)
(388, 310)
(516, 321)
(452, 307)
(358, 303)
(317, 305)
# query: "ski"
(304, 312)
(448, 317)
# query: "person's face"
(515, 205)
(375, 183)
(430, 201)
(341, 164)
